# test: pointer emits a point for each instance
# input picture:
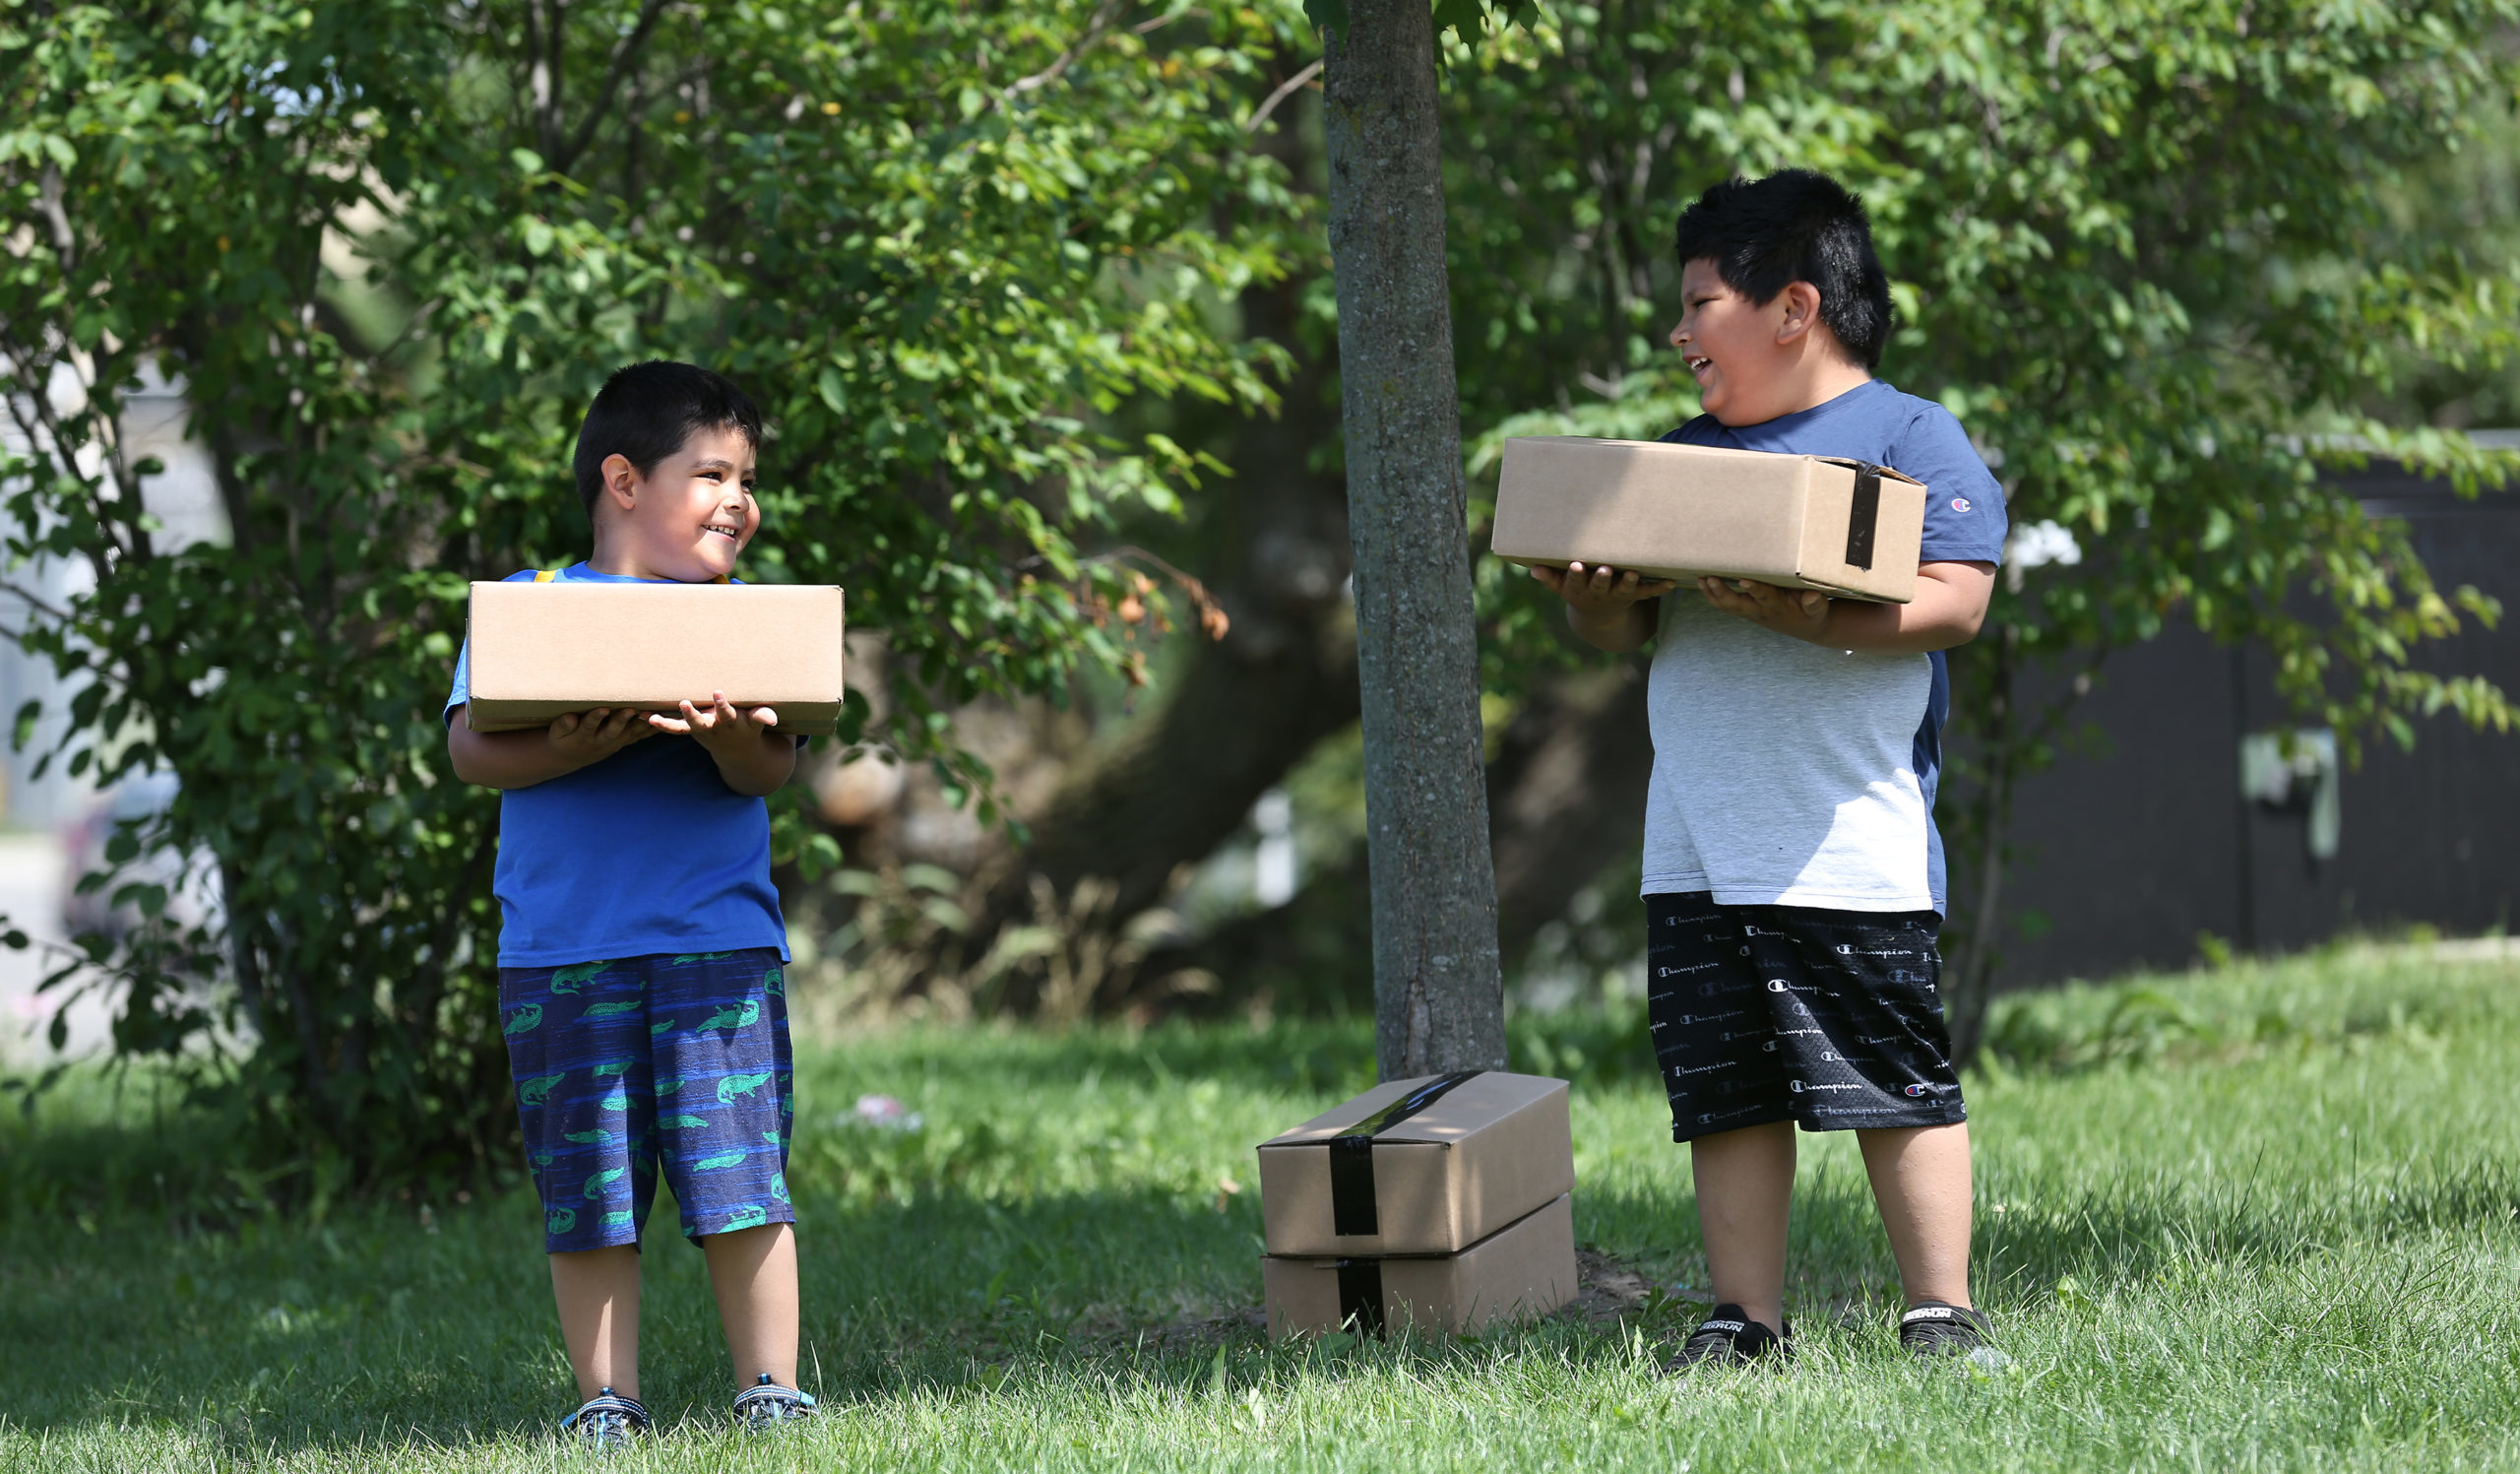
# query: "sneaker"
(607, 1423)
(766, 1405)
(1933, 1329)
(1728, 1337)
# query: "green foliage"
(391, 249)
(2129, 248)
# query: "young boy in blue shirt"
(640, 953)
(1793, 879)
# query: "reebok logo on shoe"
(1728, 1337)
(1937, 1329)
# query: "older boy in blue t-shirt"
(640, 953)
(1793, 879)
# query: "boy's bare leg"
(754, 1272)
(1744, 1193)
(599, 1294)
(1921, 1179)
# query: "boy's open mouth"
(725, 529)
(1698, 365)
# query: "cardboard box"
(1679, 511)
(1422, 1166)
(1523, 1269)
(543, 650)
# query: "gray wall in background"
(2130, 850)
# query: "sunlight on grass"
(2257, 1218)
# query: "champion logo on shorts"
(1960, 504)
(1918, 1092)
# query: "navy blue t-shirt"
(1965, 519)
(647, 851)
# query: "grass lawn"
(2267, 1217)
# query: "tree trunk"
(1438, 992)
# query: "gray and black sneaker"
(767, 1407)
(607, 1424)
(1728, 1337)
(1935, 1330)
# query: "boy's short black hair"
(646, 411)
(1794, 225)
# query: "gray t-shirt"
(1788, 774)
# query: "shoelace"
(606, 1418)
(766, 1403)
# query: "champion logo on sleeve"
(1960, 504)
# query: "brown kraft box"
(1424, 1165)
(541, 650)
(1523, 1269)
(1679, 511)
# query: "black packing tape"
(1863, 515)
(1352, 1159)
(1360, 1296)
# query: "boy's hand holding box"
(1846, 528)
(543, 650)
(1440, 1202)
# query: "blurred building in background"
(2194, 816)
(52, 826)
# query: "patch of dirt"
(1610, 1288)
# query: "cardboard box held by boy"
(541, 650)
(1679, 511)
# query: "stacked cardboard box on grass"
(1440, 1204)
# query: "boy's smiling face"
(688, 519)
(1724, 338)
(1757, 361)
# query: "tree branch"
(1094, 30)
(1285, 90)
(625, 55)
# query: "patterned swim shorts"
(622, 1066)
(1828, 1018)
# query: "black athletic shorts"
(1766, 1013)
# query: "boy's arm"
(753, 756)
(1607, 609)
(521, 759)
(1950, 604)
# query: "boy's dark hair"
(1794, 225)
(646, 411)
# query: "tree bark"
(1439, 990)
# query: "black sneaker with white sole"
(767, 1407)
(607, 1424)
(1933, 1329)
(1728, 1337)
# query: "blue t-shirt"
(647, 851)
(1965, 519)
(1786, 774)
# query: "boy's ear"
(622, 481)
(1799, 311)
